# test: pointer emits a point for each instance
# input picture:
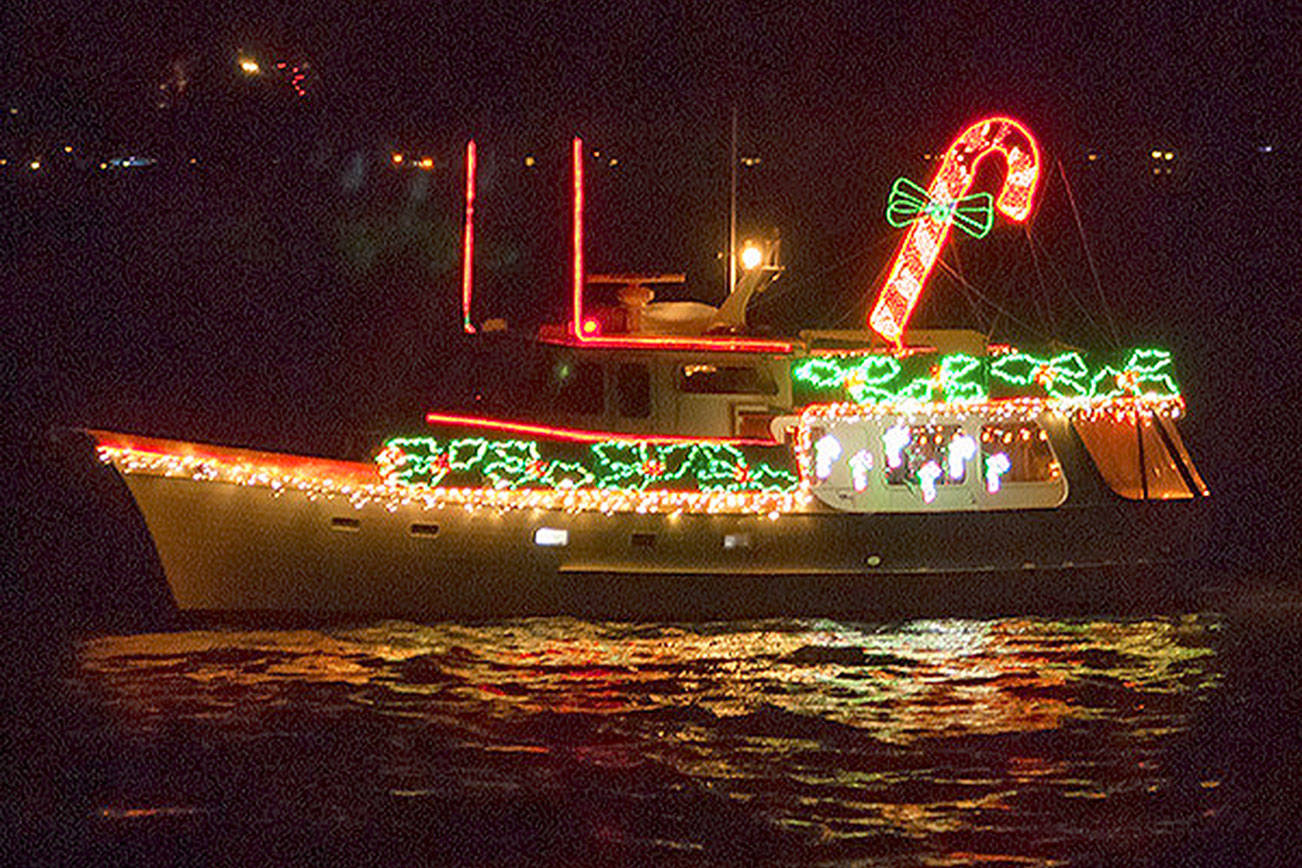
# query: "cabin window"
(633, 391)
(1016, 452)
(725, 380)
(579, 388)
(936, 454)
(753, 423)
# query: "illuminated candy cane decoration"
(860, 463)
(927, 234)
(895, 439)
(996, 466)
(927, 476)
(962, 449)
(826, 451)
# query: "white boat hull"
(229, 547)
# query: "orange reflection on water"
(931, 730)
(901, 682)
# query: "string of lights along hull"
(660, 411)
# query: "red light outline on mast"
(468, 241)
(576, 329)
(577, 156)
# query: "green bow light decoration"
(973, 214)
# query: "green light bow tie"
(973, 214)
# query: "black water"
(1142, 740)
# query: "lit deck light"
(751, 256)
(551, 536)
(736, 541)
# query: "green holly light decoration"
(960, 378)
(623, 465)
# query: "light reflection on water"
(923, 742)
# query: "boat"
(679, 466)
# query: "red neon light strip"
(659, 342)
(468, 242)
(917, 254)
(577, 155)
(579, 436)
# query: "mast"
(732, 208)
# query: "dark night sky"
(1105, 69)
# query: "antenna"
(468, 241)
(732, 208)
